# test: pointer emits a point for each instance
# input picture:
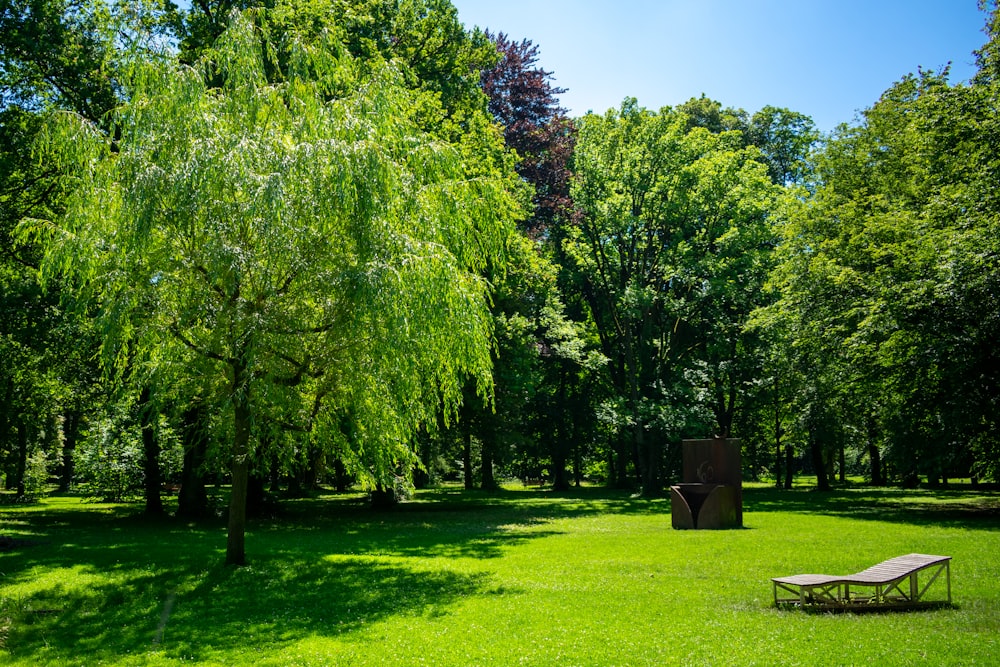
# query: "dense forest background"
(352, 243)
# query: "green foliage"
(291, 244)
(109, 459)
(36, 473)
(672, 250)
(885, 273)
(109, 463)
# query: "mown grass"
(520, 577)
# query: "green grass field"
(520, 577)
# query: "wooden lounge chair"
(891, 584)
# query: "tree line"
(346, 242)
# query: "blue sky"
(824, 58)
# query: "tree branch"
(176, 331)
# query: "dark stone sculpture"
(711, 495)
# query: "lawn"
(528, 577)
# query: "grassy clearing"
(521, 577)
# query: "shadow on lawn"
(965, 508)
(191, 614)
(108, 585)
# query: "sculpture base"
(704, 506)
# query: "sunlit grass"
(520, 577)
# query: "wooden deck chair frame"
(892, 584)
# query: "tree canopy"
(294, 243)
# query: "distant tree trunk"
(560, 481)
(650, 464)
(256, 494)
(274, 475)
(819, 464)
(789, 460)
(842, 463)
(341, 480)
(779, 432)
(236, 538)
(6, 412)
(313, 469)
(383, 498)
(777, 463)
(422, 474)
(487, 452)
(470, 483)
(152, 480)
(621, 479)
(488, 480)
(874, 456)
(71, 435)
(21, 463)
(192, 499)
(612, 468)
(577, 460)
(560, 436)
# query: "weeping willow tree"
(275, 219)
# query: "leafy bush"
(36, 473)
(109, 462)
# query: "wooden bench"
(891, 584)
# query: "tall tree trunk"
(842, 463)
(256, 494)
(560, 437)
(488, 480)
(21, 464)
(789, 460)
(236, 539)
(819, 464)
(192, 499)
(621, 457)
(341, 480)
(71, 435)
(649, 452)
(874, 455)
(577, 455)
(777, 448)
(560, 481)
(6, 412)
(150, 453)
(470, 482)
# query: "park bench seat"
(890, 584)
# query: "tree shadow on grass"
(98, 586)
(445, 523)
(961, 508)
(191, 615)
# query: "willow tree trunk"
(236, 540)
